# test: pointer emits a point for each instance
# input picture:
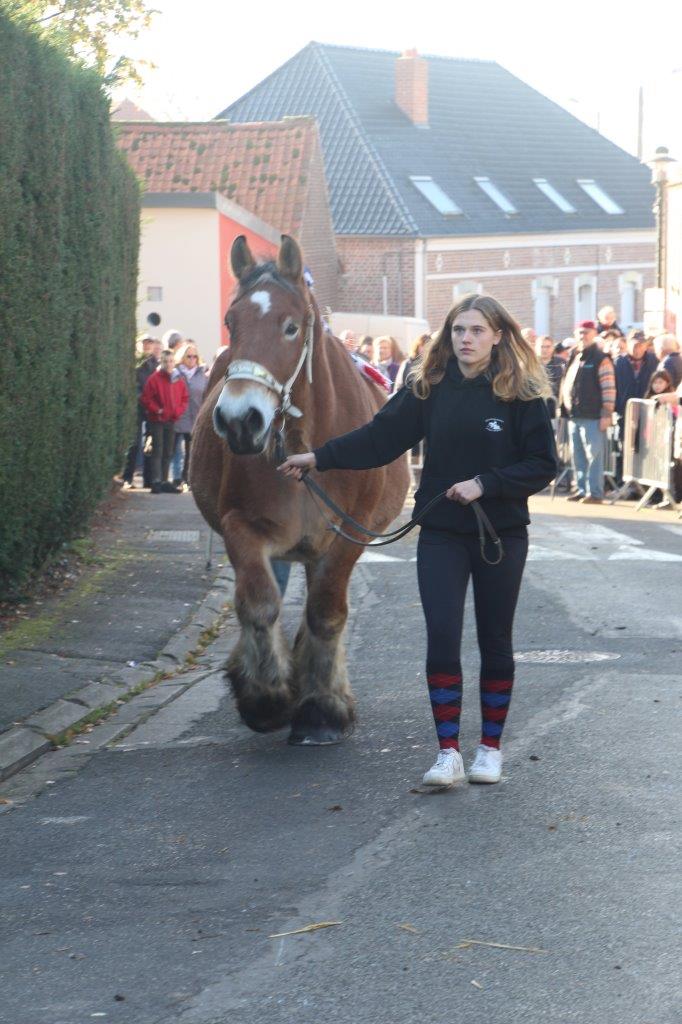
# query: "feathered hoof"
(320, 725)
(266, 714)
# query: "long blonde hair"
(514, 369)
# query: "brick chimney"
(412, 87)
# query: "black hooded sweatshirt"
(469, 433)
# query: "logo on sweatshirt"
(494, 425)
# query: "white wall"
(179, 252)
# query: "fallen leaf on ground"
(409, 928)
(306, 928)
(465, 943)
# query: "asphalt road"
(146, 885)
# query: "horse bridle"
(246, 369)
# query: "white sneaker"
(487, 765)
(448, 769)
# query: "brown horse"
(277, 336)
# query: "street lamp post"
(659, 175)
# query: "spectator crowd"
(171, 379)
(592, 373)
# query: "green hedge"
(69, 223)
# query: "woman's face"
(473, 339)
(168, 364)
(190, 359)
(658, 385)
(546, 349)
(384, 350)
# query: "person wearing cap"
(633, 371)
(588, 398)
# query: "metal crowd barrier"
(563, 447)
(649, 436)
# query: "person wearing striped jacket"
(588, 398)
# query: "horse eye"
(291, 329)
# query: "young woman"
(193, 371)
(387, 356)
(478, 397)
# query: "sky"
(591, 57)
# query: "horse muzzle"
(245, 435)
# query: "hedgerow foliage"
(69, 221)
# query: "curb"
(28, 740)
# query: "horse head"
(271, 322)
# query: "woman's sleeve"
(396, 428)
(538, 465)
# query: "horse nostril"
(253, 422)
(219, 422)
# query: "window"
(556, 197)
(154, 293)
(493, 192)
(466, 288)
(435, 195)
(597, 193)
(585, 291)
(543, 289)
(629, 286)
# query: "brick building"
(206, 183)
(672, 251)
(447, 176)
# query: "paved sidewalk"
(137, 611)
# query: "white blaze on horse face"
(262, 300)
(238, 399)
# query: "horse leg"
(258, 668)
(325, 708)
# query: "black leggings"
(445, 561)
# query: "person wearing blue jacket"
(478, 399)
(633, 371)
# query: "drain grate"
(174, 536)
(564, 657)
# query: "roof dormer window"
(493, 192)
(599, 196)
(555, 196)
(439, 199)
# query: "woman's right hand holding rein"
(296, 465)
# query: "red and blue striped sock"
(445, 692)
(495, 698)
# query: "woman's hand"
(296, 465)
(465, 492)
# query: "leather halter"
(246, 369)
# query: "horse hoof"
(317, 737)
(265, 715)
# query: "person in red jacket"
(165, 398)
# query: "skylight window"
(597, 193)
(493, 192)
(440, 200)
(556, 197)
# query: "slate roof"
(483, 121)
(266, 168)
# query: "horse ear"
(240, 257)
(289, 258)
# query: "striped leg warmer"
(495, 698)
(445, 692)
